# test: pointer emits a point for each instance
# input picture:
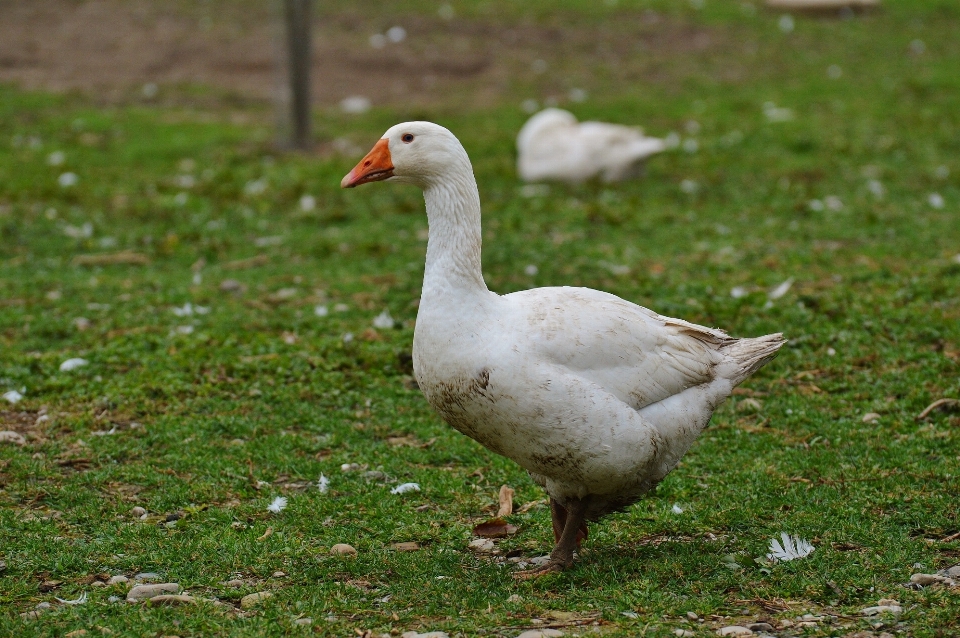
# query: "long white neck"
(453, 249)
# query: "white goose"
(552, 145)
(596, 397)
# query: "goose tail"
(752, 354)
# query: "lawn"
(224, 293)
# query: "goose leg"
(558, 514)
(574, 529)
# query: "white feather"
(277, 505)
(791, 549)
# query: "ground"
(223, 294)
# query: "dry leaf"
(123, 257)
(266, 534)
(528, 506)
(506, 501)
(252, 262)
(494, 528)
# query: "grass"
(213, 415)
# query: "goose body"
(553, 145)
(596, 397)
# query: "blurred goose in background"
(552, 145)
(596, 397)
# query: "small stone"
(231, 285)
(760, 626)
(172, 599)
(342, 549)
(734, 630)
(693, 615)
(252, 600)
(8, 436)
(515, 598)
(30, 615)
(236, 582)
(429, 634)
(546, 632)
(481, 545)
(888, 601)
(954, 572)
(278, 574)
(142, 592)
(925, 580)
(881, 609)
(98, 583)
(44, 605)
(117, 580)
(303, 622)
(807, 623)
(76, 633)
(870, 417)
(683, 633)
(147, 576)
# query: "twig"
(939, 404)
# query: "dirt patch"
(112, 50)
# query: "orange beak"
(376, 166)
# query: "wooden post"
(298, 61)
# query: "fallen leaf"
(242, 264)
(506, 501)
(494, 528)
(124, 257)
(266, 534)
(528, 506)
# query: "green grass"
(262, 396)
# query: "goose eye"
(407, 138)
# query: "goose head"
(419, 153)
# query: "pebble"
(683, 633)
(429, 634)
(8, 436)
(692, 615)
(925, 580)
(760, 626)
(481, 545)
(954, 572)
(236, 582)
(540, 560)
(303, 622)
(342, 549)
(44, 605)
(734, 630)
(76, 633)
(117, 580)
(147, 576)
(881, 609)
(540, 633)
(278, 574)
(142, 592)
(138, 511)
(172, 599)
(252, 600)
(515, 598)
(31, 615)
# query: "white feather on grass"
(77, 601)
(403, 488)
(323, 484)
(277, 505)
(791, 549)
